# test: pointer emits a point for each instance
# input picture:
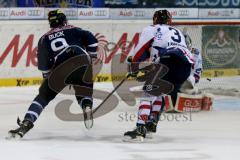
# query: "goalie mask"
(57, 18)
(162, 17)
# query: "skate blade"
(138, 139)
(88, 118)
(12, 136)
(149, 135)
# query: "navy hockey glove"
(46, 74)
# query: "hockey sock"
(144, 112)
(34, 111)
(156, 109)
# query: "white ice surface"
(211, 135)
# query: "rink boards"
(18, 48)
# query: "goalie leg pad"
(207, 102)
(186, 102)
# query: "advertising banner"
(120, 13)
(124, 13)
(208, 3)
(26, 13)
(18, 48)
(4, 13)
(71, 13)
(220, 47)
(96, 13)
(142, 13)
(219, 13)
(182, 12)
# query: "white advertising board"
(4, 13)
(89, 13)
(124, 13)
(71, 13)
(219, 13)
(18, 48)
(120, 13)
(26, 13)
(182, 12)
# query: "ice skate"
(18, 133)
(87, 113)
(151, 127)
(137, 135)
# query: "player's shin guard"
(151, 124)
(156, 109)
(34, 111)
(144, 112)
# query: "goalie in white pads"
(189, 85)
(190, 98)
(165, 44)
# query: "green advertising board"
(220, 47)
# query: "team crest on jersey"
(158, 34)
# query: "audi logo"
(34, 13)
(70, 13)
(227, 13)
(139, 13)
(3, 13)
(183, 13)
(100, 13)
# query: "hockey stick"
(99, 106)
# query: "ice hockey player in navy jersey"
(61, 43)
(161, 43)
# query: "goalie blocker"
(186, 102)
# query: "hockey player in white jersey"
(161, 43)
(188, 86)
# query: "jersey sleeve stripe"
(139, 53)
(45, 71)
(93, 45)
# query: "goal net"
(218, 43)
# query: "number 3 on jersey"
(177, 36)
(59, 44)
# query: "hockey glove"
(46, 74)
(132, 67)
(136, 74)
